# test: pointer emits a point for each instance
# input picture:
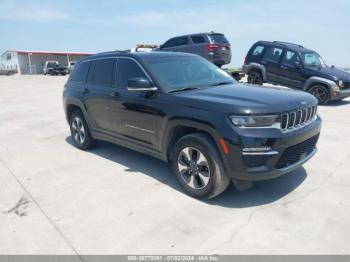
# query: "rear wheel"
(255, 77)
(80, 131)
(198, 167)
(321, 93)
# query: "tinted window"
(290, 58)
(218, 39)
(258, 50)
(179, 72)
(273, 54)
(127, 69)
(80, 72)
(169, 43)
(198, 39)
(102, 73)
(181, 41)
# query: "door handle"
(114, 94)
(85, 90)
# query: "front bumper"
(340, 94)
(288, 151)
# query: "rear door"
(97, 91)
(271, 61)
(199, 45)
(291, 72)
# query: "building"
(32, 62)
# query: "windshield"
(180, 72)
(312, 59)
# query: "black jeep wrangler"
(183, 109)
(294, 66)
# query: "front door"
(291, 71)
(133, 119)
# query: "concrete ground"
(56, 199)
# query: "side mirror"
(298, 65)
(140, 84)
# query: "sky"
(98, 26)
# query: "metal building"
(32, 62)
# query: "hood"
(329, 72)
(247, 99)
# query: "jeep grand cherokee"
(182, 109)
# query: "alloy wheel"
(78, 130)
(193, 167)
(254, 78)
(320, 93)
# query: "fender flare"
(331, 85)
(257, 66)
(197, 124)
(78, 103)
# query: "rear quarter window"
(80, 72)
(257, 50)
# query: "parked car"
(212, 46)
(54, 68)
(297, 67)
(184, 110)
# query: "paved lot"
(56, 199)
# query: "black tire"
(255, 77)
(80, 131)
(321, 93)
(211, 168)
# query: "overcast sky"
(96, 26)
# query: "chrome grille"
(297, 118)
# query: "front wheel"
(198, 168)
(321, 93)
(255, 77)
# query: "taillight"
(212, 47)
(246, 60)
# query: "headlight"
(341, 83)
(255, 121)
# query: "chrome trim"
(153, 88)
(268, 153)
(140, 129)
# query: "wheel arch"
(331, 85)
(179, 128)
(256, 66)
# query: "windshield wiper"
(182, 89)
(222, 83)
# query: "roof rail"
(287, 43)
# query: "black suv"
(212, 46)
(183, 109)
(294, 66)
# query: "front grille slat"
(295, 119)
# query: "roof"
(153, 54)
(291, 46)
(50, 52)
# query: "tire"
(255, 77)
(321, 93)
(80, 131)
(211, 180)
